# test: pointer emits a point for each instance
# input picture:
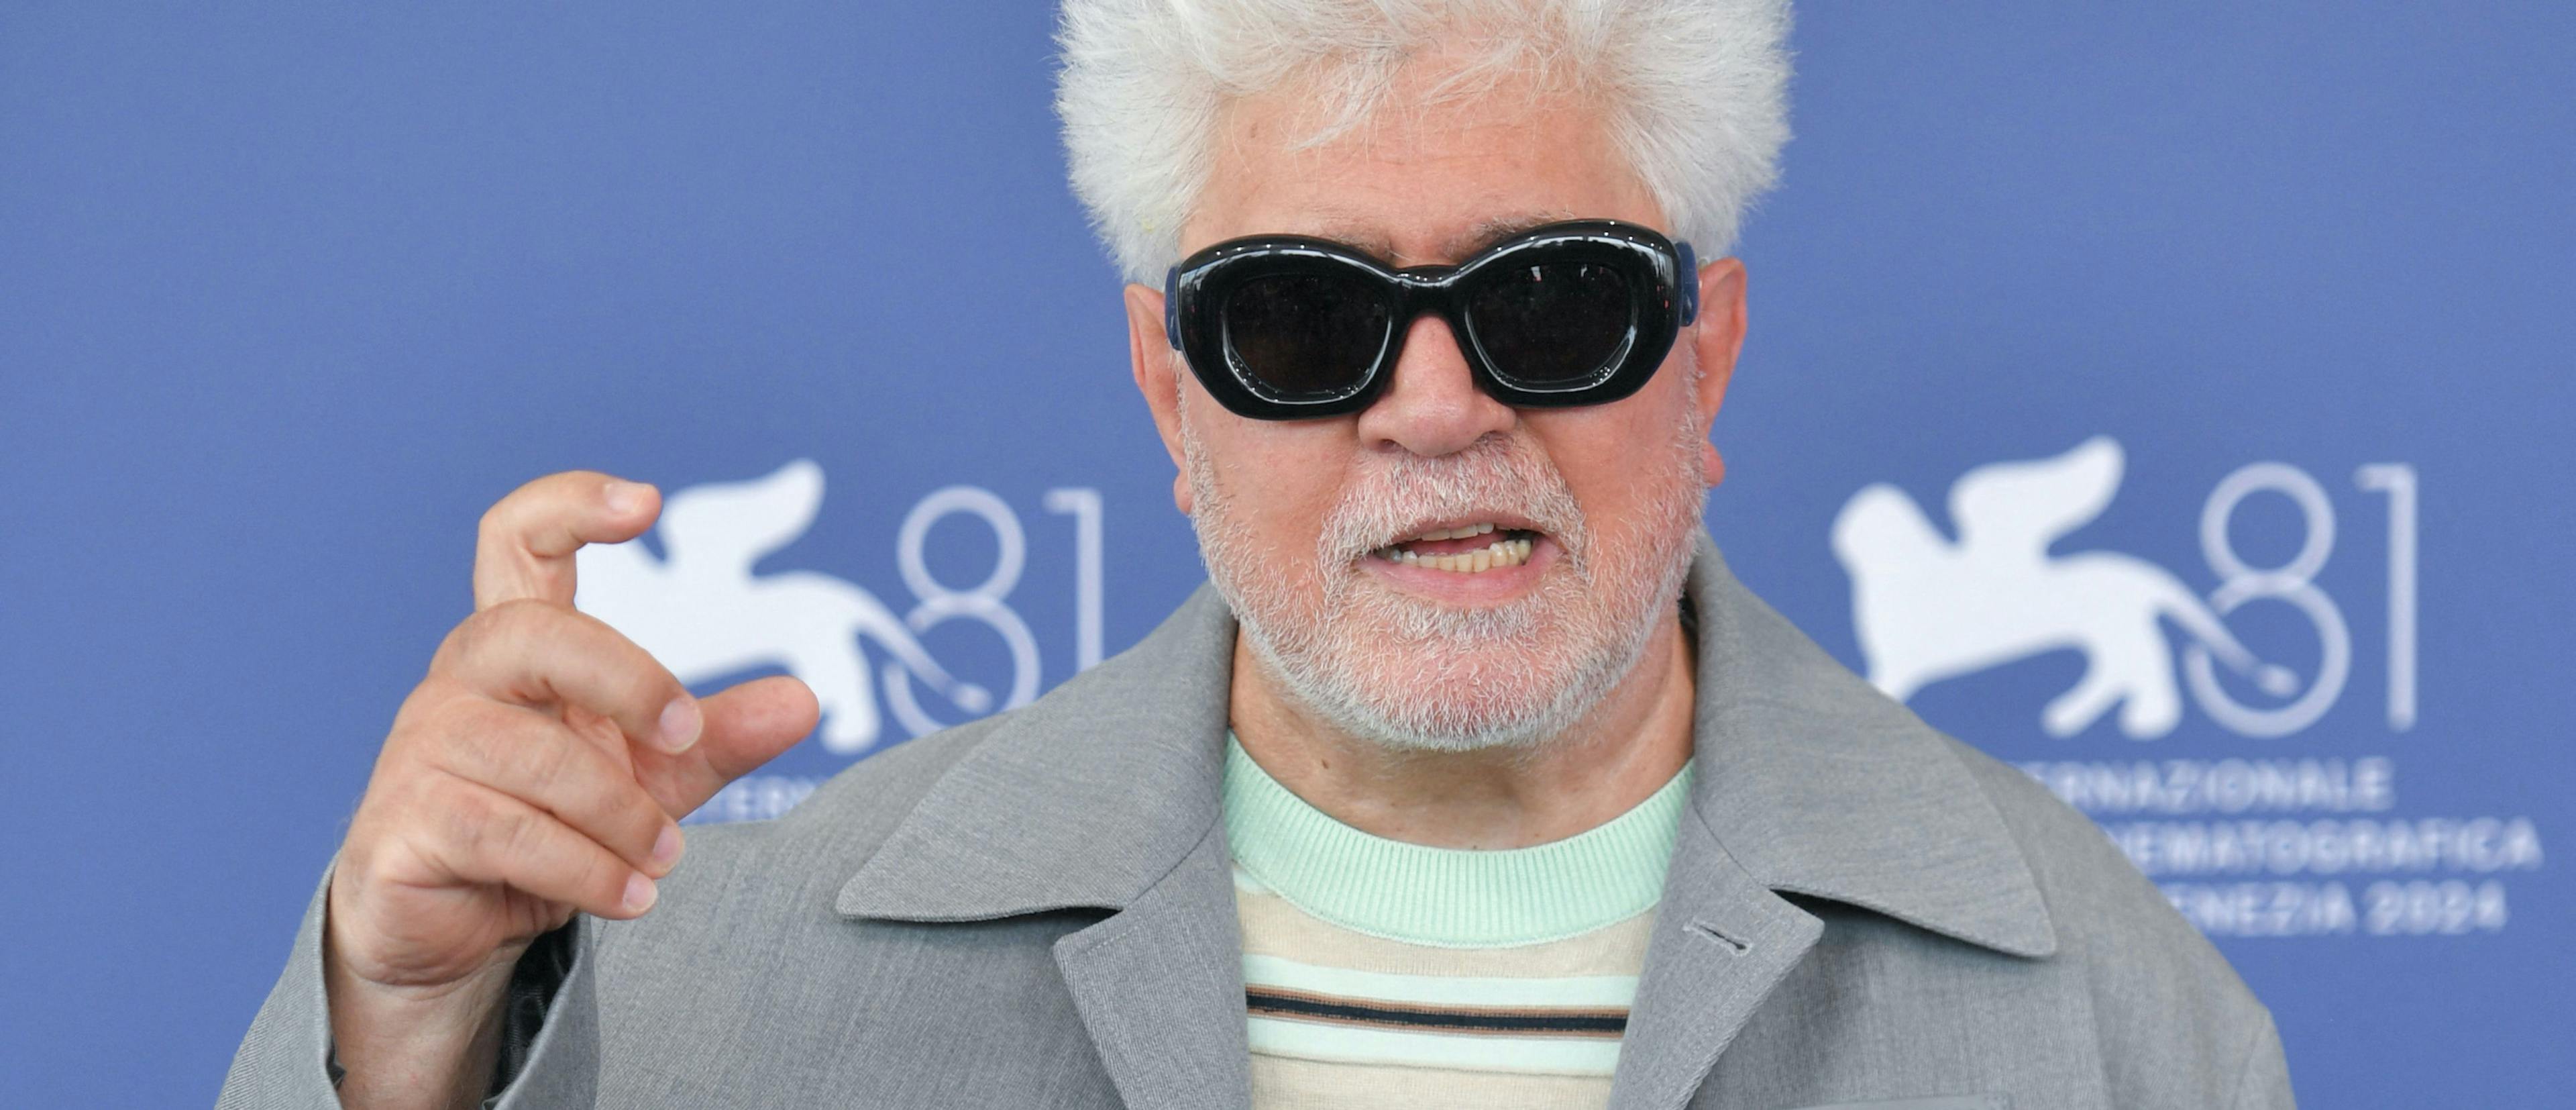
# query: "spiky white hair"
(1694, 90)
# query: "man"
(1472, 779)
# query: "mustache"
(1499, 477)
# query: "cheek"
(1282, 478)
(1611, 455)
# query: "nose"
(1432, 407)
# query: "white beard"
(1409, 675)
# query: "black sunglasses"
(1284, 327)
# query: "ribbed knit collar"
(1447, 897)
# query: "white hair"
(1695, 91)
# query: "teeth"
(1465, 532)
(1501, 553)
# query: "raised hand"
(538, 770)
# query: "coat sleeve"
(2263, 1082)
(285, 1060)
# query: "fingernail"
(666, 849)
(639, 893)
(626, 497)
(679, 726)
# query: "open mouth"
(1471, 548)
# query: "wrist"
(414, 1046)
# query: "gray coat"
(1035, 910)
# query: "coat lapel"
(1809, 782)
(1083, 798)
(1722, 942)
(1160, 989)
(1103, 795)
(1817, 784)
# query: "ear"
(1716, 338)
(1150, 359)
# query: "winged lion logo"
(1928, 608)
(702, 612)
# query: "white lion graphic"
(702, 613)
(1927, 609)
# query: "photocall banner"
(2171, 400)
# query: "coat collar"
(1811, 781)
(1820, 785)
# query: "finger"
(490, 837)
(746, 726)
(536, 653)
(533, 757)
(525, 543)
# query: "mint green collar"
(1448, 897)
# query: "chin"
(1446, 692)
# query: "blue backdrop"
(289, 292)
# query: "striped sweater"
(1381, 973)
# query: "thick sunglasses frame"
(1662, 278)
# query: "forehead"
(1419, 181)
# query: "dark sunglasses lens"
(1553, 324)
(1305, 336)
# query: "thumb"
(746, 726)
